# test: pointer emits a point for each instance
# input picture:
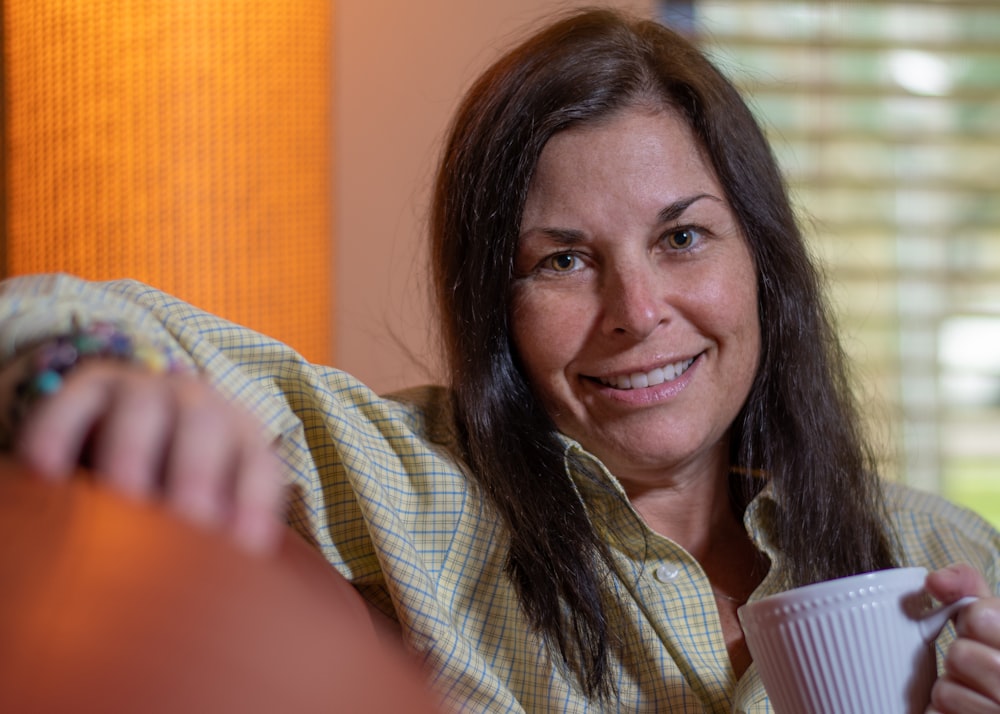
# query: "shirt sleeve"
(290, 397)
(934, 533)
(363, 470)
(38, 306)
(373, 481)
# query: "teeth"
(639, 380)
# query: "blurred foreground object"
(111, 606)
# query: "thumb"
(956, 581)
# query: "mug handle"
(934, 621)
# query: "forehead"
(635, 154)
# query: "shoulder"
(398, 449)
(907, 505)
(417, 419)
(934, 532)
(427, 411)
(393, 472)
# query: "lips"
(641, 380)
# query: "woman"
(649, 421)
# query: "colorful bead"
(48, 362)
(46, 382)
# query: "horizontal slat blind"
(886, 119)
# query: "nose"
(634, 301)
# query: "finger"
(976, 667)
(203, 456)
(52, 436)
(127, 448)
(258, 522)
(956, 581)
(980, 622)
(951, 697)
(222, 472)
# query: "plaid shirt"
(377, 489)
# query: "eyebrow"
(676, 209)
(564, 236)
(670, 212)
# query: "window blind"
(886, 119)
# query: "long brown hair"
(799, 424)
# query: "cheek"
(741, 317)
(739, 311)
(727, 309)
(733, 298)
(547, 335)
(748, 308)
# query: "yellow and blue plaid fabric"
(378, 491)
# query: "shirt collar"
(614, 518)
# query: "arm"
(153, 436)
(198, 437)
(184, 437)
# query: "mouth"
(641, 380)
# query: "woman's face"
(635, 300)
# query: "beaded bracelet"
(47, 363)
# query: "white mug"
(863, 643)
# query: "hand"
(152, 436)
(971, 680)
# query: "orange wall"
(185, 144)
(400, 70)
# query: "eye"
(682, 238)
(563, 262)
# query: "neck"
(695, 512)
(698, 514)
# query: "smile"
(641, 380)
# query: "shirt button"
(666, 573)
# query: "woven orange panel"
(186, 143)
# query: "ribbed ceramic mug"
(858, 644)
